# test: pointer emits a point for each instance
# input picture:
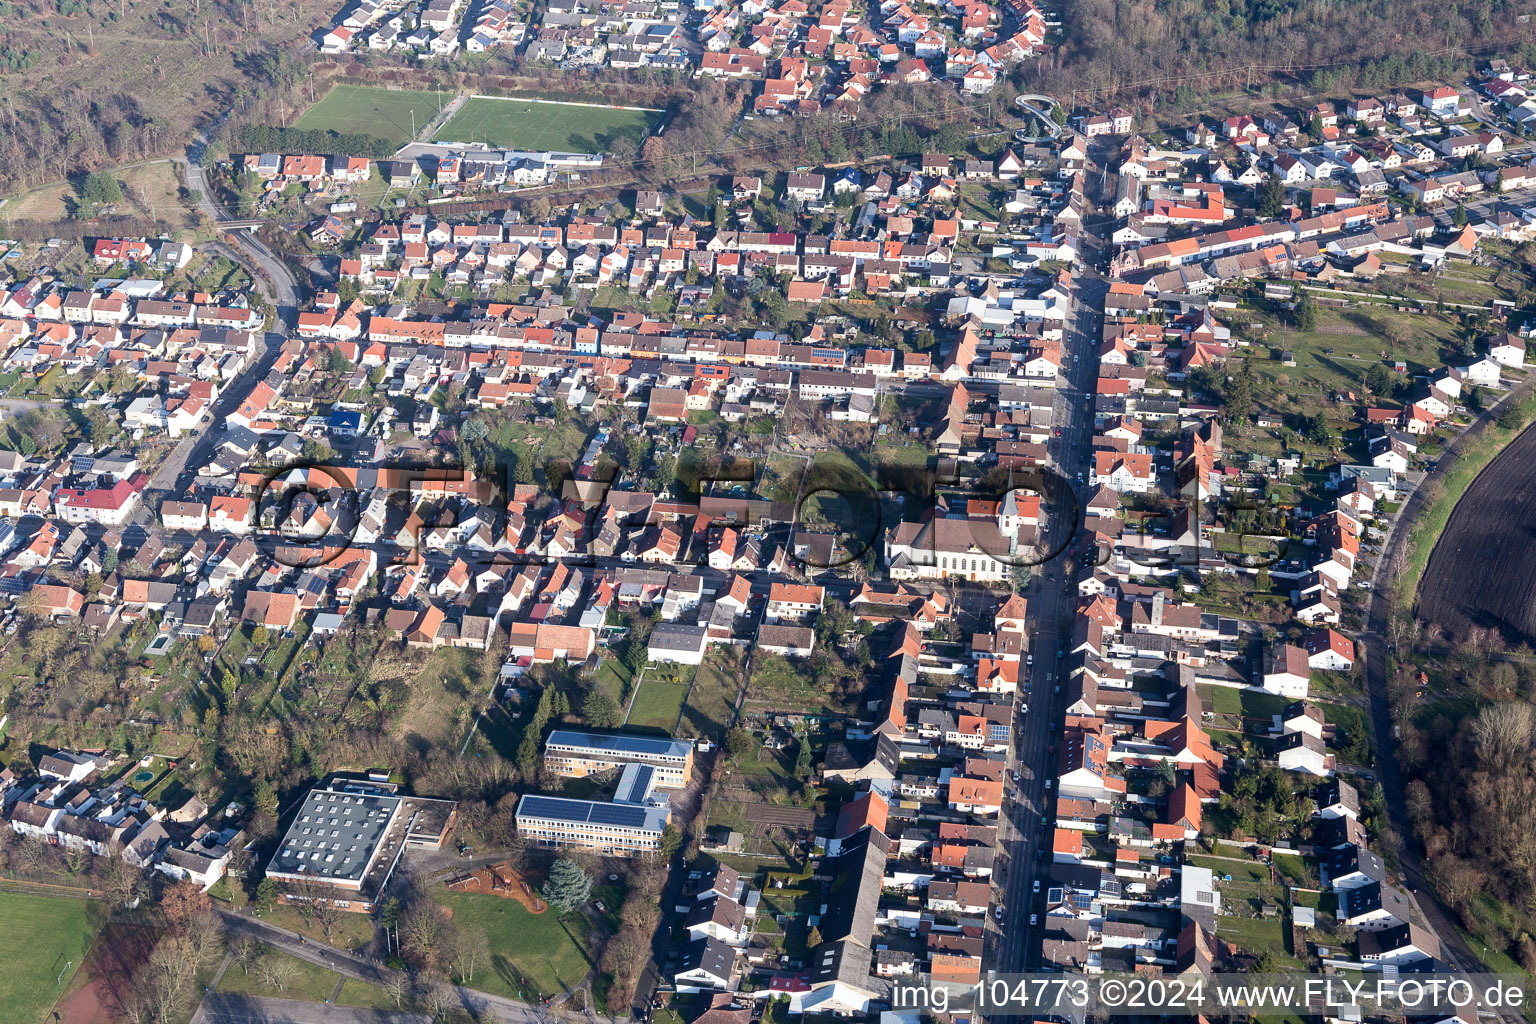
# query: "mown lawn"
(44, 937)
(657, 705)
(529, 125)
(309, 982)
(531, 955)
(1343, 346)
(369, 110)
(1255, 935)
(353, 931)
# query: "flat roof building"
(613, 829)
(348, 836)
(575, 754)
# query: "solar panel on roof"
(631, 744)
(624, 816)
(549, 807)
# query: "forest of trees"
(1154, 49)
(267, 139)
(1470, 800)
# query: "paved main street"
(1023, 839)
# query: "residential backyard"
(657, 704)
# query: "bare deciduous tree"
(398, 987)
(277, 970)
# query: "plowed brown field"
(1482, 571)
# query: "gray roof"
(675, 636)
(554, 808)
(711, 956)
(854, 897)
(619, 743)
(336, 834)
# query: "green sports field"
(527, 125)
(382, 113)
(42, 934)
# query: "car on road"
(1037, 885)
(1034, 919)
(1045, 821)
(998, 910)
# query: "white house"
(1329, 651)
(1286, 671)
(184, 515)
(679, 643)
(1507, 350)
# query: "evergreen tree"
(1238, 394)
(803, 759)
(1165, 772)
(671, 841)
(1306, 312)
(1272, 198)
(738, 742)
(266, 895)
(100, 187)
(1317, 430)
(568, 885)
(602, 711)
(1379, 379)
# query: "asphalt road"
(363, 969)
(280, 285)
(226, 1008)
(1052, 602)
(173, 478)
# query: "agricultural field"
(1480, 571)
(42, 945)
(543, 125)
(382, 113)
